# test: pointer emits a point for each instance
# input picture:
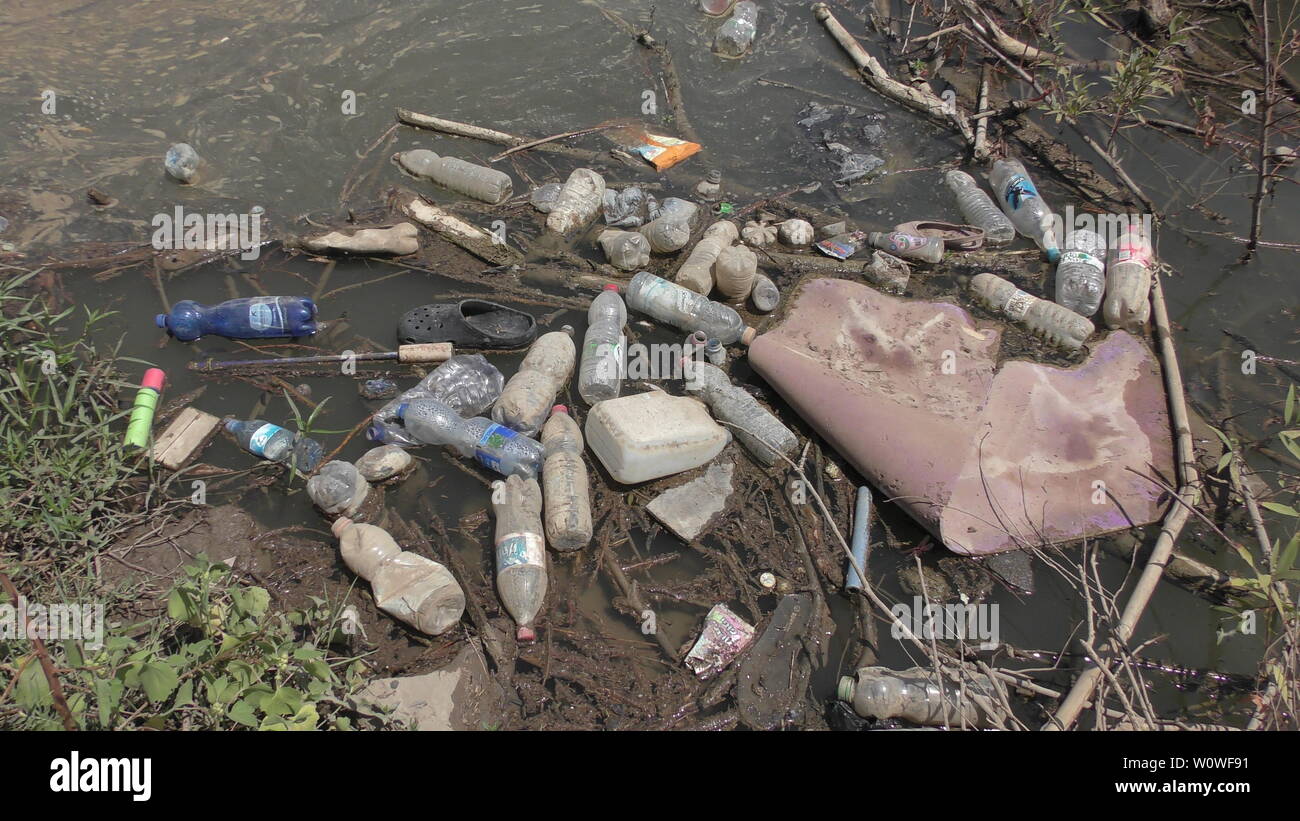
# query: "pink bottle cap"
(153, 378)
(526, 634)
(340, 524)
(611, 286)
(559, 409)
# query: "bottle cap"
(160, 320)
(231, 424)
(340, 524)
(1053, 254)
(400, 413)
(154, 378)
(559, 409)
(610, 286)
(526, 634)
(845, 690)
(747, 337)
(767, 579)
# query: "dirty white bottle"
(908, 246)
(1128, 281)
(521, 551)
(1055, 323)
(978, 209)
(696, 272)
(1081, 273)
(666, 234)
(564, 483)
(528, 396)
(734, 271)
(625, 250)
(1021, 202)
(753, 425)
(765, 296)
(736, 35)
(914, 695)
(406, 586)
(796, 233)
(600, 375)
(477, 181)
(578, 203)
(338, 487)
(685, 309)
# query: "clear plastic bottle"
(666, 234)
(715, 353)
(406, 585)
(914, 695)
(581, 198)
(276, 444)
(696, 272)
(600, 376)
(695, 342)
(625, 250)
(182, 163)
(734, 271)
(1128, 281)
(1055, 323)
(624, 208)
(796, 233)
(1021, 202)
(495, 446)
(978, 209)
(683, 308)
(754, 426)
(338, 488)
(1081, 273)
(467, 383)
(735, 36)
(521, 551)
(477, 181)
(765, 296)
(564, 483)
(528, 396)
(675, 208)
(908, 246)
(543, 197)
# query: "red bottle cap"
(559, 409)
(526, 634)
(153, 378)
(611, 286)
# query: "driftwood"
(455, 230)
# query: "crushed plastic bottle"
(477, 181)
(625, 208)
(528, 396)
(666, 235)
(467, 383)
(1081, 273)
(1055, 323)
(675, 208)
(735, 36)
(182, 163)
(796, 233)
(978, 209)
(582, 196)
(914, 695)
(1128, 281)
(261, 317)
(734, 271)
(564, 483)
(600, 375)
(696, 273)
(754, 426)
(493, 445)
(908, 246)
(276, 444)
(543, 197)
(338, 488)
(625, 250)
(685, 309)
(521, 551)
(406, 585)
(765, 296)
(1021, 202)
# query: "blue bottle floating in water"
(249, 318)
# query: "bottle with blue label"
(1024, 206)
(249, 318)
(495, 446)
(276, 444)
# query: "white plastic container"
(648, 435)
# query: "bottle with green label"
(276, 444)
(521, 551)
(493, 445)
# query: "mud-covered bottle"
(1128, 281)
(565, 489)
(494, 446)
(520, 551)
(1055, 323)
(579, 201)
(735, 36)
(600, 375)
(182, 163)
(685, 309)
(696, 272)
(1081, 273)
(666, 235)
(338, 488)
(625, 250)
(477, 181)
(406, 585)
(734, 271)
(528, 396)
(765, 296)
(755, 426)
(1020, 201)
(914, 695)
(978, 209)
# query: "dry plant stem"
(47, 666)
(1084, 686)
(1265, 122)
(981, 148)
(630, 593)
(455, 230)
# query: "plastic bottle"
(908, 246)
(685, 309)
(734, 271)
(765, 296)
(338, 487)
(1128, 281)
(521, 551)
(249, 318)
(709, 189)
(406, 585)
(1020, 200)
(142, 410)
(648, 435)
(676, 208)
(543, 197)
(795, 232)
(527, 397)
(625, 208)
(978, 209)
(495, 446)
(695, 342)
(600, 376)
(182, 163)
(1055, 323)
(580, 199)
(479, 182)
(696, 272)
(666, 235)
(467, 383)
(914, 695)
(564, 483)
(276, 444)
(715, 353)
(737, 34)
(754, 426)
(625, 250)
(1081, 273)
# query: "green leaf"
(1289, 412)
(242, 712)
(158, 680)
(33, 690)
(252, 601)
(1278, 507)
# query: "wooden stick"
(454, 229)
(47, 666)
(544, 140)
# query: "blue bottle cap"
(161, 320)
(231, 424)
(401, 411)
(1053, 255)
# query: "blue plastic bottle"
(249, 318)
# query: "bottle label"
(1082, 257)
(521, 548)
(491, 443)
(265, 313)
(1133, 249)
(1018, 304)
(1019, 190)
(257, 442)
(901, 243)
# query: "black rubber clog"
(470, 323)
